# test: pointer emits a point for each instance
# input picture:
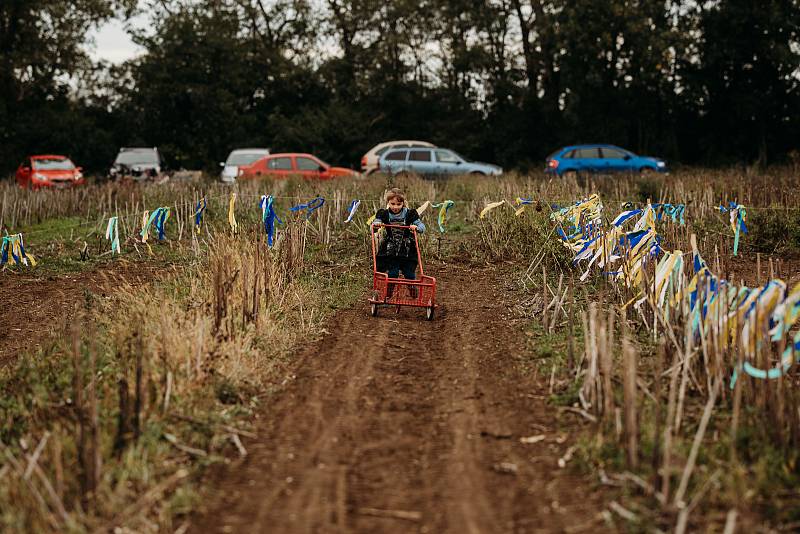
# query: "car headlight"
(78, 175)
(661, 164)
(37, 176)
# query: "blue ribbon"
(158, 218)
(310, 207)
(352, 210)
(624, 216)
(268, 217)
(198, 213)
(673, 211)
(6, 245)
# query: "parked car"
(293, 164)
(36, 172)
(433, 162)
(571, 160)
(240, 157)
(137, 163)
(369, 163)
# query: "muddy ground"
(397, 424)
(35, 308)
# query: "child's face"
(395, 205)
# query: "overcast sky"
(112, 43)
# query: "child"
(397, 252)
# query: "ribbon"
(752, 318)
(158, 219)
(161, 220)
(268, 217)
(444, 207)
(309, 207)
(522, 202)
(145, 226)
(490, 206)
(198, 214)
(112, 233)
(15, 246)
(673, 211)
(422, 209)
(352, 210)
(232, 213)
(738, 216)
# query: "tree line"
(506, 81)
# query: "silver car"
(241, 157)
(369, 163)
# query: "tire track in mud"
(397, 424)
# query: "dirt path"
(396, 424)
(36, 307)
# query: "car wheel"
(477, 174)
(647, 171)
(570, 175)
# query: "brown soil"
(745, 268)
(397, 424)
(37, 308)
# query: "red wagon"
(420, 293)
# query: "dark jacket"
(398, 244)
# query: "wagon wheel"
(373, 310)
(429, 312)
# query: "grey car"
(138, 163)
(433, 162)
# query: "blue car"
(572, 160)
(432, 162)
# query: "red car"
(293, 164)
(48, 171)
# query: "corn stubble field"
(113, 421)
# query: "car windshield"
(243, 158)
(137, 157)
(53, 164)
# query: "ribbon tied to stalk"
(14, 246)
(112, 233)
(351, 211)
(309, 207)
(199, 211)
(268, 217)
(444, 207)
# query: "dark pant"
(409, 269)
(393, 267)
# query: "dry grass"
(106, 428)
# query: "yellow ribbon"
(232, 213)
(490, 206)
